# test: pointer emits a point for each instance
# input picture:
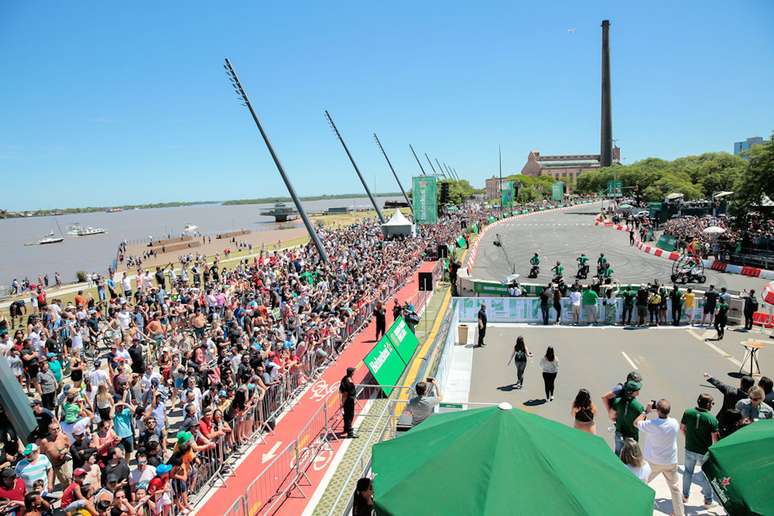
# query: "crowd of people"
(141, 392)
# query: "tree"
(755, 183)
(459, 191)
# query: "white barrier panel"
(444, 365)
(527, 310)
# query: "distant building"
(749, 143)
(564, 167)
(493, 188)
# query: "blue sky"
(106, 103)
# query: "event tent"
(398, 225)
(503, 461)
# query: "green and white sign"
(507, 194)
(614, 188)
(385, 364)
(403, 339)
(425, 200)
(557, 191)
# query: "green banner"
(506, 198)
(615, 188)
(667, 243)
(385, 364)
(557, 191)
(654, 208)
(461, 242)
(490, 288)
(403, 339)
(425, 200)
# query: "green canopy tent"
(503, 461)
(740, 469)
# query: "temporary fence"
(287, 470)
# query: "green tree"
(459, 191)
(755, 183)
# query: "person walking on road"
(481, 326)
(631, 236)
(550, 366)
(721, 319)
(701, 431)
(519, 358)
(396, 310)
(348, 392)
(661, 448)
(545, 303)
(381, 320)
(710, 300)
(624, 407)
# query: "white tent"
(398, 225)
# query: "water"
(95, 253)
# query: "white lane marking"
(629, 360)
(718, 350)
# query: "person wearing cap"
(47, 385)
(73, 491)
(624, 408)
(348, 392)
(80, 448)
(159, 488)
(35, 466)
(12, 488)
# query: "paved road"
(671, 361)
(563, 236)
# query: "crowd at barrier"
(145, 392)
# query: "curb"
(715, 265)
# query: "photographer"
(421, 406)
(624, 408)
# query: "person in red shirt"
(12, 489)
(73, 491)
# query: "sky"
(107, 103)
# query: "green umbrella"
(740, 469)
(502, 461)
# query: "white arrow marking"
(271, 453)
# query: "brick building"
(563, 167)
(493, 188)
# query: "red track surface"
(288, 428)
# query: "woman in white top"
(550, 366)
(631, 455)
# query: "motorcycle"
(534, 271)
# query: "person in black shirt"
(81, 448)
(710, 300)
(348, 393)
(731, 395)
(137, 356)
(750, 307)
(381, 320)
(628, 307)
(396, 310)
(481, 326)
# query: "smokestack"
(606, 126)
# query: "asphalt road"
(563, 235)
(671, 362)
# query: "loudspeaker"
(15, 403)
(425, 281)
(443, 251)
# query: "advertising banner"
(507, 194)
(425, 200)
(385, 364)
(402, 339)
(615, 188)
(557, 191)
(667, 243)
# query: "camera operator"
(421, 406)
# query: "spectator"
(589, 300)
(731, 396)
(631, 456)
(422, 406)
(624, 408)
(35, 466)
(583, 412)
(767, 384)
(700, 428)
(661, 448)
(753, 408)
(363, 504)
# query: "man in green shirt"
(589, 300)
(701, 431)
(627, 408)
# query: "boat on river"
(88, 231)
(51, 238)
(281, 212)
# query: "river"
(95, 253)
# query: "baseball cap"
(184, 437)
(79, 472)
(30, 448)
(162, 469)
(632, 386)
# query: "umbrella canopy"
(503, 461)
(626, 206)
(740, 469)
(674, 196)
(713, 230)
(768, 293)
(720, 195)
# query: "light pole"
(234, 78)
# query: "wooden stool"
(751, 348)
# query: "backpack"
(520, 356)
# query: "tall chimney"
(606, 126)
